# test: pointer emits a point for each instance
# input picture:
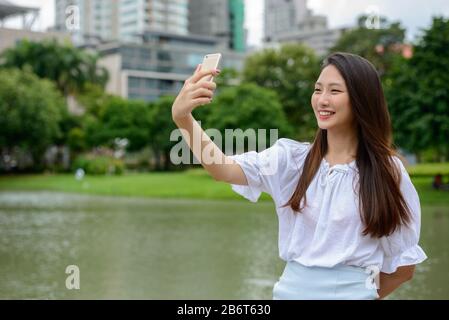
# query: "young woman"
(348, 211)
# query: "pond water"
(134, 248)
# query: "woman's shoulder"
(293, 145)
(293, 152)
(400, 164)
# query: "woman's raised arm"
(195, 93)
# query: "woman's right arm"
(196, 93)
(390, 282)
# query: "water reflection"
(132, 248)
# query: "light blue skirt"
(341, 282)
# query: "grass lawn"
(191, 184)
(429, 169)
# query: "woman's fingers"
(200, 102)
(203, 73)
(200, 74)
(204, 84)
(202, 92)
(189, 80)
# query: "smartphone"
(210, 61)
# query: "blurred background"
(86, 88)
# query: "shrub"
(99, 165)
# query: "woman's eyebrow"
(330, 84)
(336, 84)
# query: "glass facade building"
(160, 64)
(219, 18)
(122, 19)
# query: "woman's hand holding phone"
(195, 92)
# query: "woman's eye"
(336, 91)
(317, 90)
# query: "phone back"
(211, 61)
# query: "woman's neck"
(341, 146)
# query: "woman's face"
(330, 101)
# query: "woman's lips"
(325, 115)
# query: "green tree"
(119, 118)
(380, 46)
(247, 106)
(76, 128)
(76, 140)
(93, 98)
(228, 77)
(418, 95)
(69, 67)
(30, 112)
(160, 131)
(291, 72)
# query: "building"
(28, 16)
(138, 16)
(289, 21)
(314, 33)
(282, 16)
(149, 51)
(122, 20)
(95, 21)
(9, 10)
(160, 63)
(10, 37)
(219, 18)
(87, 20)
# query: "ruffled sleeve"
(401, 248)
(264, 170)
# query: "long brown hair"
(382, 206)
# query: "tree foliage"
(30, 113)
(69, 67)
(291, 72)
(418, 93)
(247, 106)
(379, 45)
(161, 129)
(119, 118)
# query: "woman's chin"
(324, 126)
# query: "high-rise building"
(313, 33)
(120, 19)
(87, 20)
(160, 64)
(219, 18)
(147, 47)
(282, 16)
(238, 33)
(289, 21)
(138, 16)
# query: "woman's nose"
(323, 100)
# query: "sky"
(413, 14)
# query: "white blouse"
(329, 230)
